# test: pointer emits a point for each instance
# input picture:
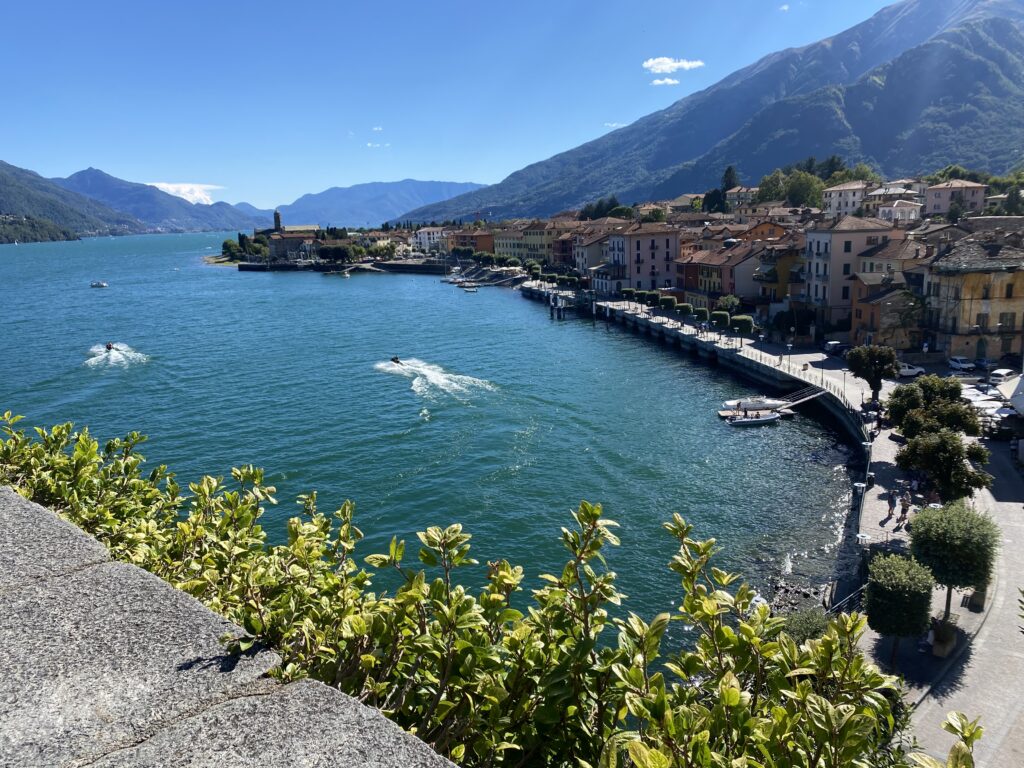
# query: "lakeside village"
(930, 271)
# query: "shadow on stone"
(225, 662)
(920, 669)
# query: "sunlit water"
(497, 417)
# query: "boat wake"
(430, 380)
(119, 354)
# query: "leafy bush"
(946, 460)
(685, 309)
(700, 314)
(808, 624)
(743, 324)
(472, 673)
(628, 294)
(720, 319)
(668, 303)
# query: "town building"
(427, 239)
(611, 276)
(651, 249)
(510, 243)
(884, 311)
(968, 194)
(845, 199)
(478, 239)
(831, 252)
(974, 299)
(738, 196)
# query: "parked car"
(836, 348)
(1001, 375)
(906, 369)
(960, 364)
(985, 364)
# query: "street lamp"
(824, 359)
(789, 352)
(736, 332)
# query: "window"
(857, 314)
(1009, 291)
(984, 292)
(873, 240)
(846, 291)
(815, 290)
(846, 269)
(847, 246)
(981, 320)
(1007, 321)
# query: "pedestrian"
(892, 502)
(904, 507)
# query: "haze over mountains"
(921, 84)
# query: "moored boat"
(754, 403)
(98, 284)
(754, 419)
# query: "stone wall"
(104, 664)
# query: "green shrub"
(668, 303)
(898, 597)
(744, 324)
(497, 675)
(700, 314)
(720, 319)
(685, 309)
(808, 624)
(628, 294)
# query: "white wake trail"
(430, 380)
(119, 354)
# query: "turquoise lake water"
(503, 419)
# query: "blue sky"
(268, 101)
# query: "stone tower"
(277, 220)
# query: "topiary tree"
(898, 598)
(944, 458)
(720, 319)
(685, 309)
(653, 297)
(668, 303)
(958, 544)
(744, 324)
(628, 294)
(873, 363)
(700, 314)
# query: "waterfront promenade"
(982, 675)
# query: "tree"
(945, 459)
(1014, 204)
(873, 363)
(804, 189)
(771, 187)
(859, 172)
(958, 544)
(904, 399)
(230, 249)
(956, 416)
(714, 202)
(621, 212)
(727, 303)
(730, 179)
(956, 211)
(658, 214)
(898, 598)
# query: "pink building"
(969, 194)
(650, 250)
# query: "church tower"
(277, 221)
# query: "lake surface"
(502, 419)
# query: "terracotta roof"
(896, 249)
(879, 278)
(856, 224)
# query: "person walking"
(904, 506)
(892, 502)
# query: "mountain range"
(921, 84)
(92, 202)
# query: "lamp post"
(736, 333)
(789, 352)
(824, 359)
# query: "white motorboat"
(98, 284)
(755, 403)
(754, 419)
(470, 289)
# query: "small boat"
(98, 284)
(470, 289)
(345, 274)
(754, 419)
(755, 403)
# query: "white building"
(612, 275)
(900, 211)
(844, 199)
(429, 239)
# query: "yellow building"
(974, 299)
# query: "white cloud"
(663, 65)
(378, 128)
(194, 193)
(375, 145)
(664, 81)
(784, 7)
(613, 125)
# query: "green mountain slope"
(154, 207)
(650, 156)
(25, 193)
(959, 98)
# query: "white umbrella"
(1006, 412)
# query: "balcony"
(768, 276)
